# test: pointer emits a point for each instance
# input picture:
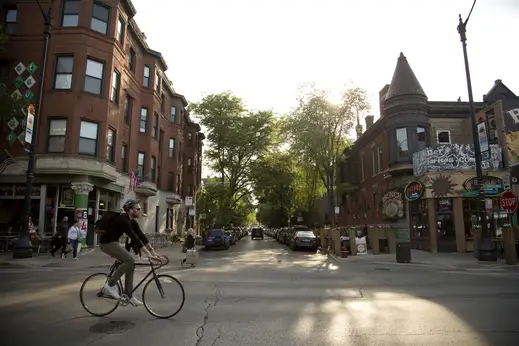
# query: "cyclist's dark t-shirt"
(116, 227)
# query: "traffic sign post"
(509, 202)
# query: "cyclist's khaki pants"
(126, 267)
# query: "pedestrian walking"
(189, 245)
(74, 236)
(61, 238)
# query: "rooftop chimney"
(369, 121)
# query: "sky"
(265, 50)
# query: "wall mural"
(454, 157)
(441, 186)
(393, 205)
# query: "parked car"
(303, 240)
(232, 237)
(216, 238)
(256, 233)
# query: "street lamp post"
(22, 247)
(485, 247)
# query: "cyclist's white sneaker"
(135, 302)
(111, 290)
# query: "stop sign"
(509, 202)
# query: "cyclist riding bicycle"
(113, 229)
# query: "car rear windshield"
(257, 229)
(214, 233)
(305, 234)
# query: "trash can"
(403, 252)
(403, 245)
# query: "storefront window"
(496, 218)
(419, 221)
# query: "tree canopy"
(273, 167)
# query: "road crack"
(200, 331)
(360, 292)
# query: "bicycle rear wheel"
(92, 298)
(163, 296)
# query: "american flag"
(5, 160)
(134, 182)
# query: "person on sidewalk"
(62, 233)
(74, 236)
(189, 243)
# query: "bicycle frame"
(152, 272)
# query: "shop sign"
(393, 204)
(491, 186)
(414, 190)
(455, 157)
(361, 244)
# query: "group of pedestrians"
(67, 235)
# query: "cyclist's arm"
(123, 223)
(137, 229)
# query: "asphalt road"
(261, 293)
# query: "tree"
(318, 132)
(272, 177)
(236, 138)
(308, 189)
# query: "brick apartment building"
(108, 110)
(426, 147)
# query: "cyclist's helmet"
(129, 203)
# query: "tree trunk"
(331, 203)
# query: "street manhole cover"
(111, 327)
(385, 269)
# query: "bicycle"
(160, 280)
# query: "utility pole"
(486, 250)
(22, 247)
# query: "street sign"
(509, 202)
(506, 182)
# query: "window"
(116, 83)
(157, 80)
(379, 159)
(70, 15)
(57, 132)
(374, 161)
(131, 60)
(100, 17)
(170, 181)
(152, 168)
(120, 30)
(190, 190)
(124, 158)
(144, 120)
(190, 137)
(171, 151)
(63, 74)
(401, 142)
(189, 162)
(444, 136)
(421, 137)
(88, 138)
(178, 184)
(155, 125)
(140, 164)
(146, 79)
(362, 171)
(127, 109)
(110, 146)
(173, 116)
(11, 19)
(94, 76)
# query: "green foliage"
(236, 138)
(318, 131)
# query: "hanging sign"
(414, 190)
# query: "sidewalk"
(446, 261)
(86, 259)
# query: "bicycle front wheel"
(92, 298)
(163, 296)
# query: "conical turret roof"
(404, 82)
